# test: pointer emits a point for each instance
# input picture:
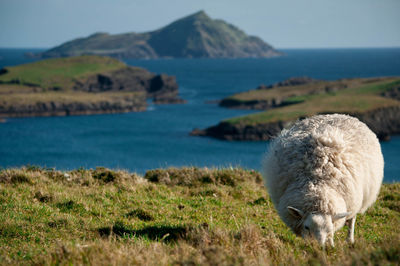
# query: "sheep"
(321, 173)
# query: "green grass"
(357, 98)
(59, 72)
(176, 216)
(25, 89)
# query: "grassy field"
(359, 96)
(185, 216)
(59, 72)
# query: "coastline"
(85, 85)
(384, 122)
(374, 101)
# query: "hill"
(81, 85)
(374, 101)
(193, 36)
(191, 216)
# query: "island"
(375, 101)
(81, 85)
(194, 36)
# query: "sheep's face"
(319, 227)
(316, 225)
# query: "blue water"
(160, 137)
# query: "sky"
(281, 23)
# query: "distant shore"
(375, 101)
(81, 85)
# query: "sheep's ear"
(340, 215)
(296, 213)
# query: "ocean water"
(160, 137)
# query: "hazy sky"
(282, 23)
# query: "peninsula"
(375, 101)
(194, 36)
(81, 85)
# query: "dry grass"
(186, 216)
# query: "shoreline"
(70, 113)
(384, 122)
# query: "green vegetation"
(359, 95)
(61, 73)
(78, 85)
(175, 216)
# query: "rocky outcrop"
(161, 88)
(384, 122)
(194, 36)
(252, 104)
(241, 132)
(164, 89)
(294, 81)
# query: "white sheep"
(322, 172)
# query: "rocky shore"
(375, 101)
(52, 108)
(384, 122)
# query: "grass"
(185, 216)
(46, 88)
(360, 96)
(59, 72)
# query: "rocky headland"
(81, 85)
(194, 36)
(375, 101)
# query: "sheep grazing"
(321, 172)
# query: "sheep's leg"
(351, 223)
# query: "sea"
(159, 137)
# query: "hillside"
(193, 36)
(81, 85)
(186, 216)
(374, 101)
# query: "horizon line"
(277, 48)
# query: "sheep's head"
(317, 225)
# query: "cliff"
(193, 36)
(81, 85)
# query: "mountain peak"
(199, 15)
